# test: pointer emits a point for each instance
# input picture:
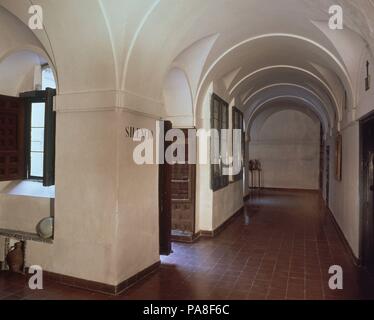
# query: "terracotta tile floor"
(280, 248)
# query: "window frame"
(29, 102)
(43, 68)
(368, 76)
(240, 125)
(220, 181)
(46, 97)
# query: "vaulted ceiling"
(164, 54)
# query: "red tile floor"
(281, 248)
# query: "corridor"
(280, 248)
(123, 129)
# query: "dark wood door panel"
(367, 196)
(183, 195)
(12, 142)
(183, 199)
(165, 200)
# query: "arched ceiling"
(289, 92)
(15, 69)
(131, 46)
(278, 74)
(280, 103)
(259, 118)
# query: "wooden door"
(328, 176)
(367, 197)
(165, 199)
(368, 243)
(183, 197)
(321, 160)
(12, 139)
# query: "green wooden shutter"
(49, 140)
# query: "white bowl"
(45, 228)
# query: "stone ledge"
(23, 236)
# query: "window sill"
(23, 236)
(28, 188)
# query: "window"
(40, 132)
(37, 140)
(237, 123)
(27, 134)
(219, 121)
(48, 79)
(345, 100)
(367, 79)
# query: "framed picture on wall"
(338, 157)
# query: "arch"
(262, 115)
(278, 85)
(134, 39)
(177, 94)
(35, 50)
(193, 58)
(306, 93)
(336, 60)
(325, 85)
(305, 103)
(111, 38)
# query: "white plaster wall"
(14, 35)
(288, 148)
(22, 213)
(344, 195)
(364, 98)
(106, 205)
(17, 73)
(137, 218)
(214, 208)
(226, 202)
(178, 99)
(204, 193)
(84, 242)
